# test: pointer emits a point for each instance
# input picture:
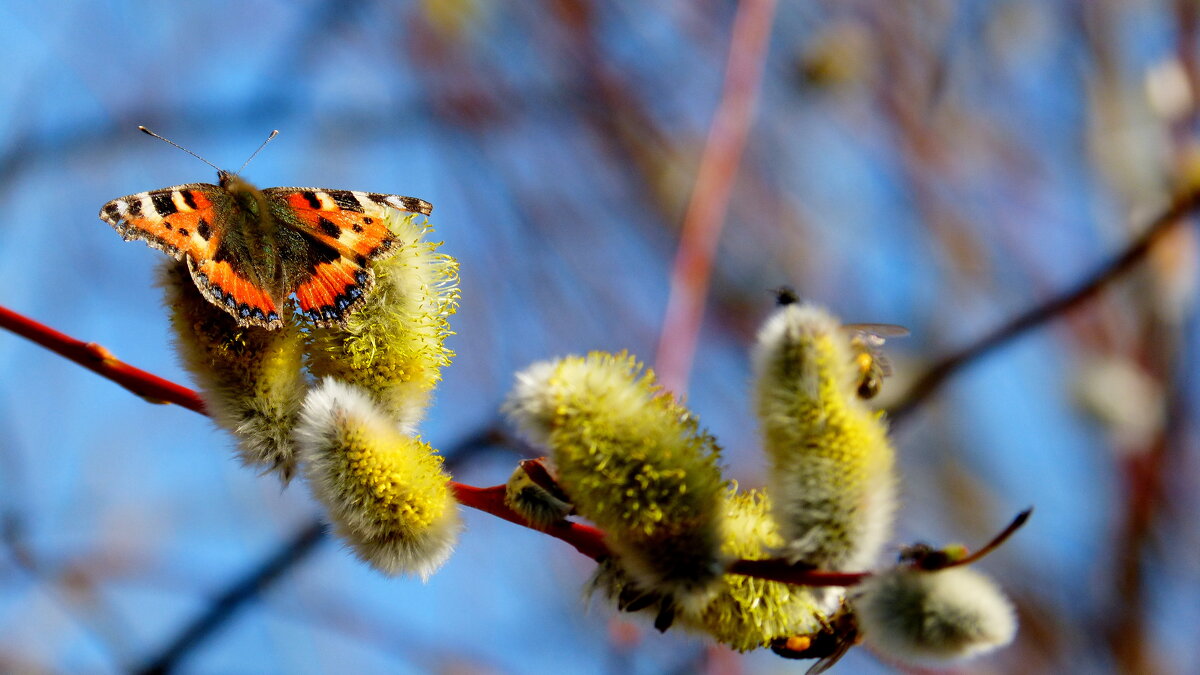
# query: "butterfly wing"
(350, 230)
(181, 220)
(224, 286)
(190, 221)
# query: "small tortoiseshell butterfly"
(248, 250)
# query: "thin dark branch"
(783, 571)
(227, 604)
(1110, 271)
(274, 568)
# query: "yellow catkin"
(251, 379)
(748, 612)
(633, 461)
(744, 613)
(831, 474)
(393, 346)
(386, 493)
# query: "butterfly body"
(248, 250)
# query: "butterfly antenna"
(274, 133)
(146, 131)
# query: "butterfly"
(248, 250)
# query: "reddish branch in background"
(705, 215)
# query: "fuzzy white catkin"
(832, 481)
(917, 616)
(385, 490)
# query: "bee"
(829, 644)
(866, 341)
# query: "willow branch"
(98, 359)
(586, 540)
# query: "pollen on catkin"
(744, 613)
(386, 492)
(831, 475)
(918, 616)
(393, 346)
(633, 461)
(251, 379)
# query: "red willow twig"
(98, 359)
(705, 216)
(586, 539)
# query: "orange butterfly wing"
(244, 300)
(185, 221)
(354, 225)
(180, 220)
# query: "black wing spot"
(163, 204)
(311, 197)
(332, 231)
(204, 230)
(358, 228)
(316, 252)
(346, 200)
(183, 232)
(135, 207)
(111, 210)
(189, 200)
(361, 260)
(167, 224)
(368, 220)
